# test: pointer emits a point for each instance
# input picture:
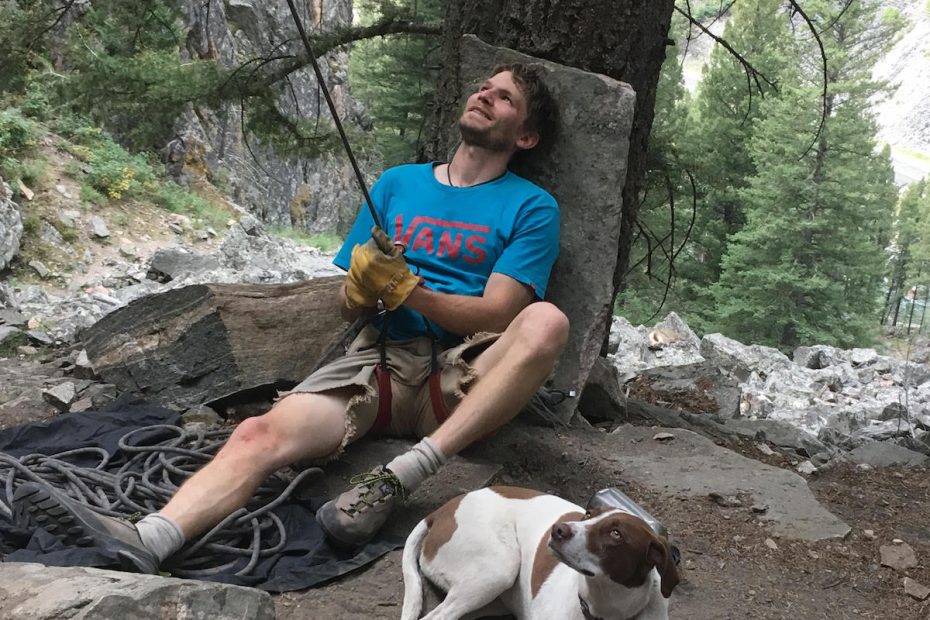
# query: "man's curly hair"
(540, 106)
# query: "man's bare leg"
(509, 373)
(300, 426)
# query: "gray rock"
(12, 317)
(693, 466)
(68, 218)
(819, 356)
(40, 337)
(893, 411)
(807, 468)
(40, 268)
(316, 194)
(50, 235)
(201, 415)
(861, 357)
(900, 557)
(885, 454)
(8, 300)
(60, 396)
(50, 593)
(915, 589)
(781, 434)
(11, 226)
(602, 398)
(82, 366)
(98, 228)
(8, 331)
(584, 168)
(172, 263)
(626, 341)
(740, 359)
(100, 394)
(673, 324)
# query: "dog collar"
(586, 611)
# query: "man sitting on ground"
(481, 241)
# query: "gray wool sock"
(160, 535)
(417, 464)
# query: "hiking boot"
(354, 517)
(37, 505)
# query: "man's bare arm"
(503, 300)
(347, 314)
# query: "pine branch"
(326, 42)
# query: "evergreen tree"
(725, 111)
(392, 77)
(806, 267)
(909, 249)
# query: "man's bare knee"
(254, 438)
(543, 329)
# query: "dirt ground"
(727, 569)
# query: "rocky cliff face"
(904, 116)
(314, 195)
(11, 225)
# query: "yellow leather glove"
(378, 271)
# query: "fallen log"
(199, 343)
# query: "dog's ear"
(661, 557)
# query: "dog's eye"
(616, 533)
(587, 515)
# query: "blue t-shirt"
(458, 236)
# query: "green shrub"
(115, 173)
(9, 346)
(324, 241)
(176, 199)
(91, 195)
(17, 134)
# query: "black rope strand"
(332, 110)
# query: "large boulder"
(585, 169)
(50, 593)
(199, 343)
(740, 359)
(11, 226)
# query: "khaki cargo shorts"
(409, 361)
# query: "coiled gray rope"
(148, 479)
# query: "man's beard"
(489, 138)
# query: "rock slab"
(42, 592)
(693, 465)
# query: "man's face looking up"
(494, 116)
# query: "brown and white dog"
(511, 550)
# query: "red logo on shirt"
(450, 240)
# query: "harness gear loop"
(383, 378)
(435, 377)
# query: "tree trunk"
(623, 39)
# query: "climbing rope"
(160, 459)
